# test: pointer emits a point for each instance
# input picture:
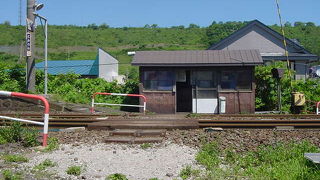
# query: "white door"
(204, 98)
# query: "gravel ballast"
(162, 161)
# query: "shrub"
(30, 137)
(116, 176)
(74, 170)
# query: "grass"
(14, 158)
(146, 145)
(15, 132)
(116, 176)
(53, 144)
(44, 165)
(9, 175)
(74, 170)
(280, 161)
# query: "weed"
(14, 158)
(186, 172)
(45, 164)
(281, 161)
(53, 144)
(9, 175)
(153, 179)
(3, 140)
(146, 145)
(193, 115)
(74, 170)
(117, 176)
(30, 137)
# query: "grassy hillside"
(74, 42)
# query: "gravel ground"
(163, 161)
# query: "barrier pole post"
(46, 110)
(92, 104)
(317, 108)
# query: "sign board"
(28, 44)
(30, 25)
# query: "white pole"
(46, 59)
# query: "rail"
(46, 112)
(118, 94)
(317, 110)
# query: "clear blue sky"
(165, 13)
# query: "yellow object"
(299, 99)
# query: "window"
(158, 80)
(236, 80)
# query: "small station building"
(201, 81)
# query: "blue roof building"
(104, 66)
(81, 67)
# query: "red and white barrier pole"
(46, 111)
(317, 106)
(119, 94)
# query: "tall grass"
(281, 161)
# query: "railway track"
(58, 120)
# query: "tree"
(154, 25)
(104, 26)
(287, 24)
(93, 26)
(310, 24)
(193, 26)
(299, 24)
(7, 23)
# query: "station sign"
(28, 44)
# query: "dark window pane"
(228, 80)
(244, 80)
(206, 94)
(158, 80)
(150, 75)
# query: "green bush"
(74, 170)
(30, 137)
(117, 176)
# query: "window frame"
(237, 76)
(170, 78)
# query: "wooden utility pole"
(30, 49)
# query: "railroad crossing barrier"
(317, 111)
(118, 94)
(46, 112)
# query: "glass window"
(232, 80)
(158, 80)
(244, 80)
(228, 80)
(204, 79)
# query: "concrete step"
(138, 132)
(133, 140)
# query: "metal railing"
(46, 112)
(118, 94)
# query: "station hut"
(194, 81)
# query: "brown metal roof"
(198, 58)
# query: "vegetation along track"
(59, 120)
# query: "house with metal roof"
(256, 35)
(202, 81)
(104, 66)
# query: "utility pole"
(30, 49)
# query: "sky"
(164, 13)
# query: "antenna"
(20, 12)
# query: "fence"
(118, 94)
(46, 112)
